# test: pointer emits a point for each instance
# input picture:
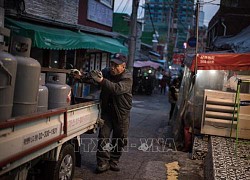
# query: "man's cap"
(118, 58)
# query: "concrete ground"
(150, 153)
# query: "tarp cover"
(154, 53)
(223, 61)
(61, 39)
(140, 64)
(239, 43)
(161, 61)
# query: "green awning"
(106, 44)
(61, 39)
(45, 37)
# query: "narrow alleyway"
(146, 155)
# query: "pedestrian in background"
(173, 95)
(116, 102)
(164, 82)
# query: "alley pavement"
(150, 151)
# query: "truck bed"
(27, 137)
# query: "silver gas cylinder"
(59, 91)
(27, 85)
(43, 95)
(8, 67)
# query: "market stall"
(217, 74)
(144, 76)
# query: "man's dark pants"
(119, 130)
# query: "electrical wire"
(119, 6)
(140, 12)
(170, 4)
(210, 2)
(150, 16)
(142, 8)
(125, 7)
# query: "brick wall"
(60, 10)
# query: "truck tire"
(65, 166)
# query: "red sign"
(178, 59)
(226, 61)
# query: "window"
(98, 61)
(71, 57)
(92, 62)
(54, 59)
(100, 13)
(37, 54)
(104, 60)
(108, 3)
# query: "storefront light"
(199, 72)
(212, 72)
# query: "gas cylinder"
(43, 95)
(56, 78)
(59, 91)
(8, 66)
(27, 85)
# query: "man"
(116, 102)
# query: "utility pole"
(170, 22)
(197, 33)
(133, 35)
(196, 61)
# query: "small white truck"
(51, 138)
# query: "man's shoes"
(102, 167)
(114, 166)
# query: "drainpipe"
(225, 28)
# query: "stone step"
(199, 150)
(227, 159)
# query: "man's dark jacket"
(116, 94)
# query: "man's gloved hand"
(96, 75)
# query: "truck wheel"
(65, 166)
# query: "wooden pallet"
(219, 111)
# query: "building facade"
(171, 19)
(84, 25)
(121, 25)
(231, 18)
